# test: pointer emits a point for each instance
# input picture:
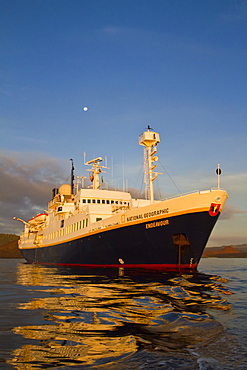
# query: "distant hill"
(9, 246)
(6, 238)
(229, 251)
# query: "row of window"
(76, 226)
(68, 229)
(55, 234)
(105, 201)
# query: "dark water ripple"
(121, 319)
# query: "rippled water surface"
(123, 319)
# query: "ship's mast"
(72, 177)
(96, 170)
(149, 139)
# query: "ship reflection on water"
(91, 318)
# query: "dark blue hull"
(176, 243)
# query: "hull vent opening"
(182, 244)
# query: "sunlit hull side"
(134, 246)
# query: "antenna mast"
(72, 176)
(218, 171)
(96, 170)
(149, 140)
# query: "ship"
(93, 227)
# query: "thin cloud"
(236, 183)
(225, 240)
(112, 30)
(230, 212)
(26, 187)
(4, 92)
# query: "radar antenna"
(96, 170)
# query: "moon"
(85, 109)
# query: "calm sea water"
(116, 319)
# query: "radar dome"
(65, 189)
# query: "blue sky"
(178, 66)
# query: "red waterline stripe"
(144, 266)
